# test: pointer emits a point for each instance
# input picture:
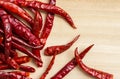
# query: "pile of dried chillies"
(16, 35)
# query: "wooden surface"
(98, 22)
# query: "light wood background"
(98, 22)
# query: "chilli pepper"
(22, 59)
(60, 48)
(8, 75)
(93, 72)
(13, 53)
(27, 68)
(19, 41)
(1, 39)
(49, 67)
(8, 34)
(19, 60)
(26, 74)
(16, 10)
(36, 31)
(47, 26)
(11, 62)
(1, 62)
(23, 32)
(20, 29)
(21, 67)
(48, 8)
(70, 65)
(22, 49)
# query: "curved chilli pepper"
(60, 48)
(93, 72)
(70, 65)
(8, 34)
(47, 26)
(22, 49)
(23, 32)
(36, 31)
(48, 8)
(48, 68)
(17, 10)
(27, 68)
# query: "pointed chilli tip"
(74, 27)
(76, 52)
(91, 45)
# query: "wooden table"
(98, 22)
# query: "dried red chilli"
(47, 26)
(26, 74)
(20, 29)
(23, 32)
(93, 72)
(36, 31)
(22, 59)
(22, 49)
(13, 54)
(48, 8)
(8, 34)
(21, 67)
(1, 40)
(27, 68)
(60, 48)
(19, 60)
(49, 67)
(20, 41)
(70, 65)
(17, 10)
(8, 75)
(11, 62)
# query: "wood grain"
(98, 22)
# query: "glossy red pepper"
(16, 10)
(93, 72)
(60, 48)
(48, 8)
(70, 65)
(48, 68)
(47, 26)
